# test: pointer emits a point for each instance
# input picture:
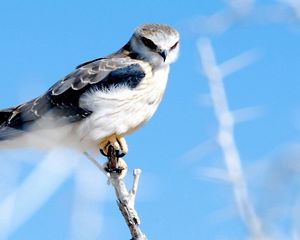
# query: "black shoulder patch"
(129, 76)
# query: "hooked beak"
(163, 54)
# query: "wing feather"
(62, 99)
(93, 73)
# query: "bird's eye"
(149, 43)
(174, 46)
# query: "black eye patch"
(174, 46)
(149, 43)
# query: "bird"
(100, 102)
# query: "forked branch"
(115, 170)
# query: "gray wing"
(104, 71)
(62, 99)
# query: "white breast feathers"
(122, 110)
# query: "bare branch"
(97, 164)
(136, 177)
(236, 63)
(227, 142)
(115, 170)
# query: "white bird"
(101, 101)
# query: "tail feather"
(17, 120)
(5, 115)
(6, 131)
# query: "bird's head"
(156, 43)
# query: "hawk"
(101, 101)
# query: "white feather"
(122, 110)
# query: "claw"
(121, 169)
(118, 144)
(123, 145)
(118, 153)
(114, 148)
(103, 153)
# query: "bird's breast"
(122, 110)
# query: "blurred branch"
(34, 191)
(236, 63)
(247, 11)
(241, 7)
(226, 140)
(115, 170)
(295, 5)
(90, 192)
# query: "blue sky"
(43, 41)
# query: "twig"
(97, 164)
(227, 142)
(115, 170)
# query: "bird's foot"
(115, 164)
(118, 143)
(120, 169)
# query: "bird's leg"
(117, 142)
(115, 164)
(114, 147)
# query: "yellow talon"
(119, 143)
